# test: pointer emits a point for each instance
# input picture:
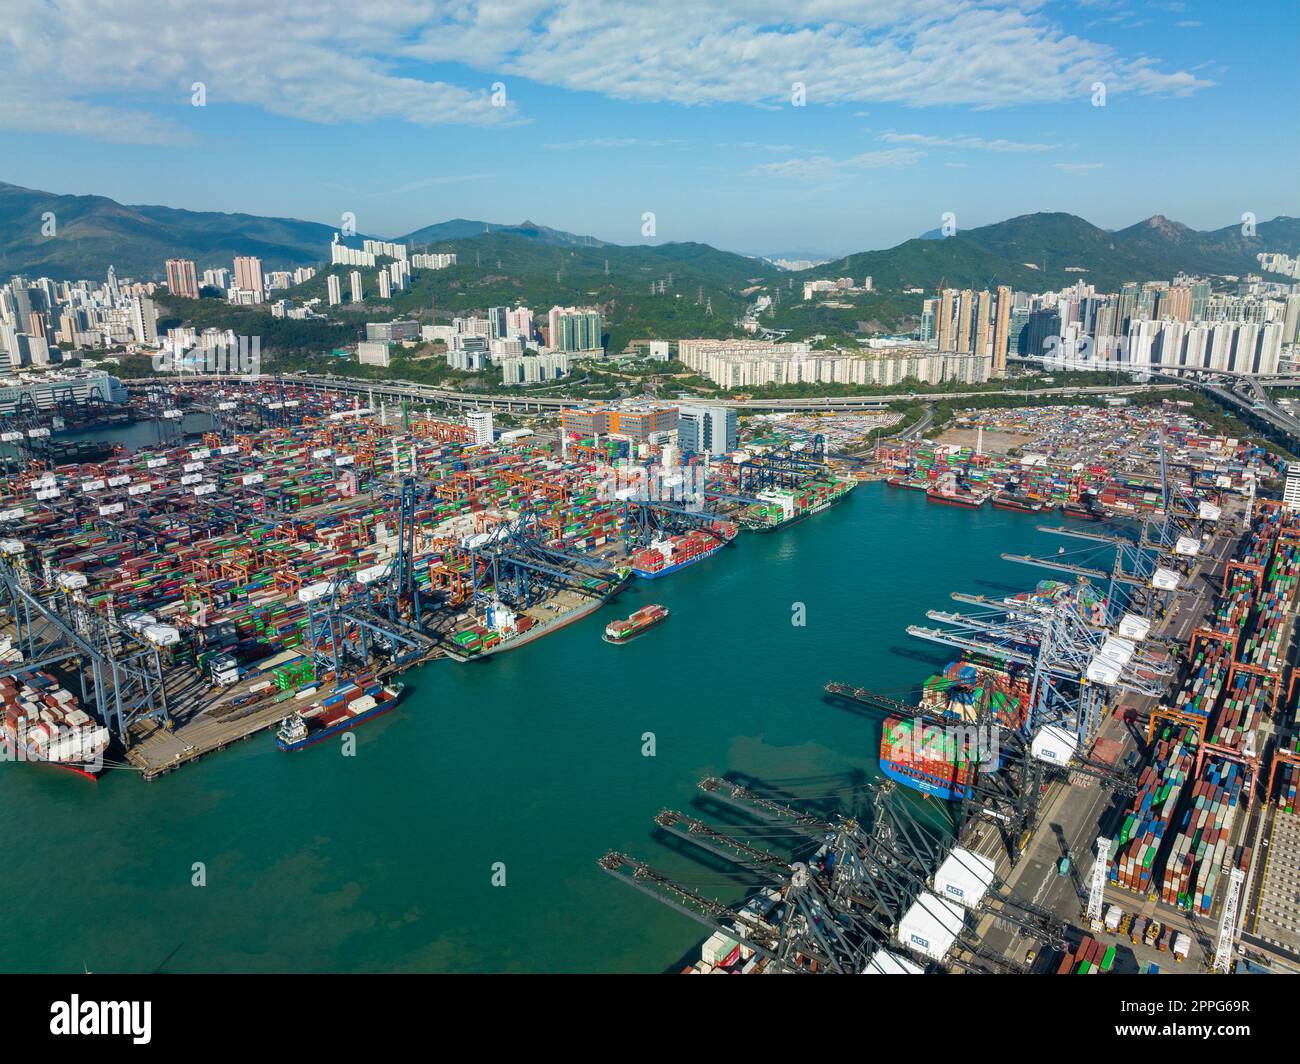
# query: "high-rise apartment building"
(248, 276)
(182, 279)
(575, 329)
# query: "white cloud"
(1078, 168)
(331, 61)
(825, 168)
(325, 62)
(971, 143)
(615, 142)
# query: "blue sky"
(682, 108)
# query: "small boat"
(645, 618)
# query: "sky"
(810, 129)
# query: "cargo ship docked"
(922, 754)
(1012, 500)
(501, 628)
(906, 482)
(43, 723)
(782, 507)
(1086, 508)
(353, 704)
(956, 497)
(672, 553)
(644, 619)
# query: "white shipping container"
(717, 948)
(370, 575)
(163, 635)
(312, 592)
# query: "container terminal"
(195, 592)
(1103, 781)
(311, 546)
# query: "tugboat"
(353, 704)
(645, 618)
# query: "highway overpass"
(396, 391)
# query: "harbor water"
(525, 767)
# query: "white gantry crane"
(1097, 892)
(1228, 924)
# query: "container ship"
(1009, 499)
(354, 703)
(644, 618)
(956, 497)
(922, 754)
(785, 506)
(668, 555)
(501, 628)
(43, 723)
(908, 482)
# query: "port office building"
(50, 389)
(711, 430)
(638, 423)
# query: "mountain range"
(1052, 250)
(1034, 251)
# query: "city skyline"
(609, 114)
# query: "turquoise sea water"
(384, 861)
